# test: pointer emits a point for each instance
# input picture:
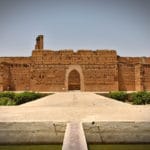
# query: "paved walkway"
(74, 106)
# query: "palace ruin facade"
(63, 70)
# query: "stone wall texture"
(98, 70)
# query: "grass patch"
(11, 98)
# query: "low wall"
(117, 132)
(53, 132)
(31, 132)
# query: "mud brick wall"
(134, 73)
(69, 57)
(146, 76)
(1, 77)
(19, 77)
(99, 70)
(4, 77)
(19, 60)
(16, 73)
(130, 60)
(138, 78)
(126, 77)
(102, 77)
(47, 77)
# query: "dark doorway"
(74, 80)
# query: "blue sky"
(123, 25)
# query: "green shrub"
(6, 101)
(11, 102)
(119, 95)
(24, 97)
(147, 99)
(10, 98)
(10, 95)
(141, 98)
(129, 99)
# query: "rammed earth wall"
(49, 70)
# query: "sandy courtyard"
(75, 106)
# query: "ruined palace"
(64, 70)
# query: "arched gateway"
(74, 80)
